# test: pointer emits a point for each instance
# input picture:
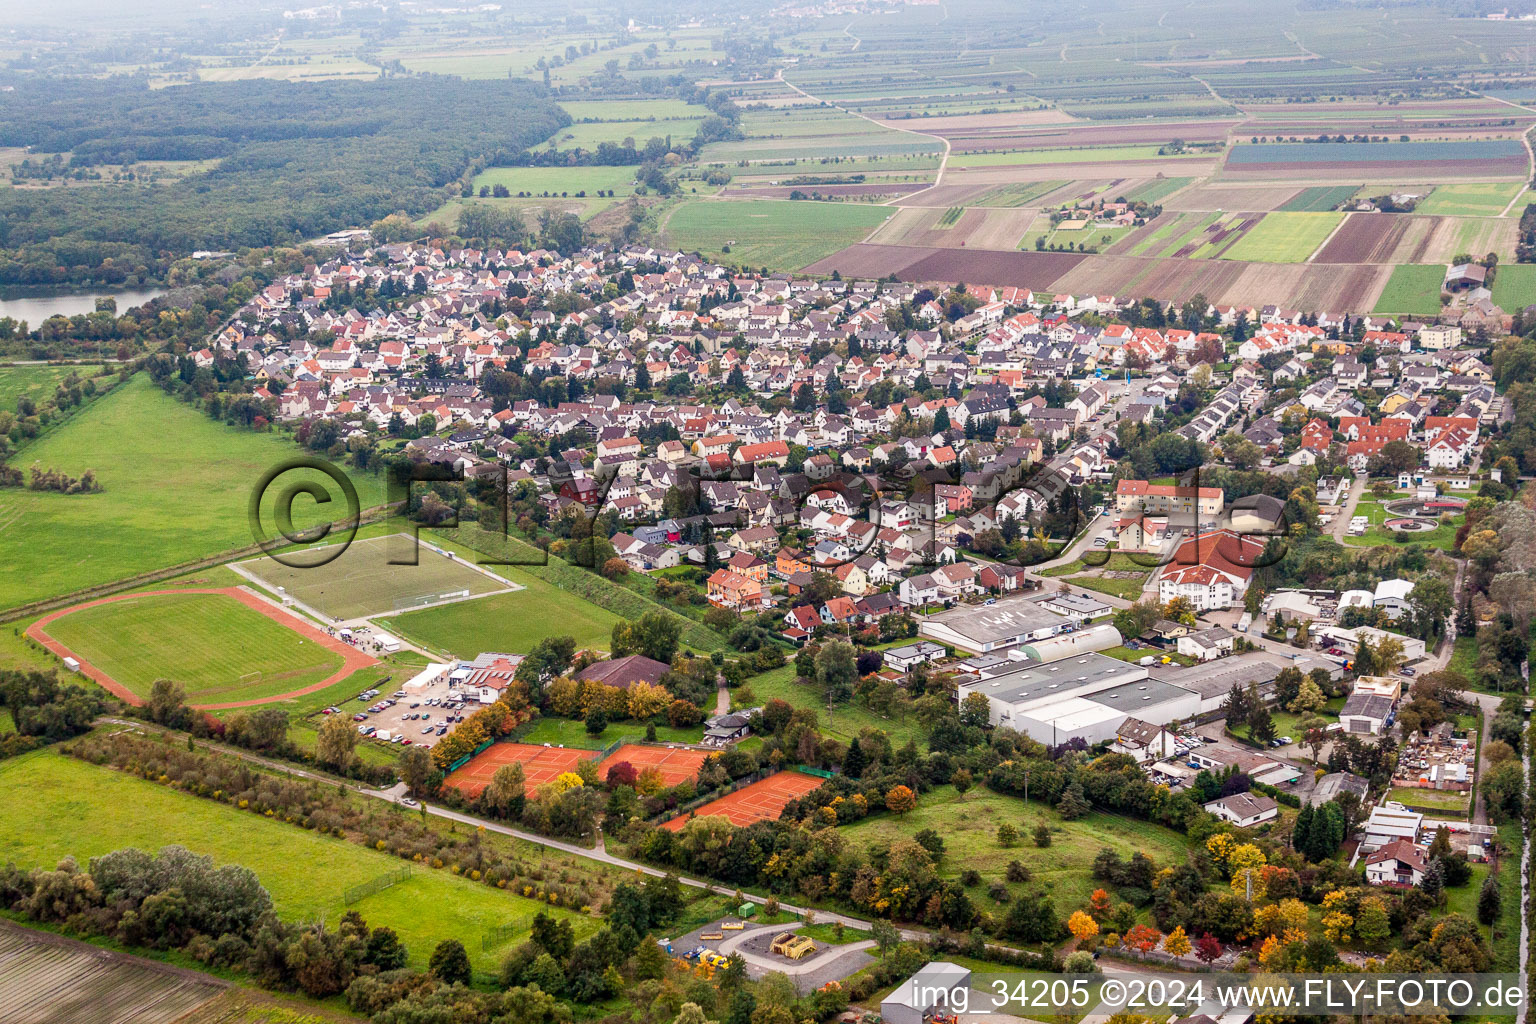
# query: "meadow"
(216, 647)
(1284, 237)
(559, 180)
(1414, 290)
(1318, 198)
(968, 825)
(175, 487)
(780, 235)
(37, 381)
(82, 810)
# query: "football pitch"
(363, 582)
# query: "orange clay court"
(540, 765)
(760, 801)
(675, 765)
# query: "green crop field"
(1414, 290)
(1318, 199)
(210, 643)
(1515, 286)
(1064, 869)
(364, 581)
(1486, 199)
(1156, 191)
(1284, 237)
(783, 235)
(175, 488)
(507, 622)
(80, 809)
(589, 135)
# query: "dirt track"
(352, 658)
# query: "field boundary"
(352, 658)
(374, 885)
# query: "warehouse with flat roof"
(985, 628)
(1084, 697)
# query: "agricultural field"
(48, 979)
(778, 235)
(80, 809)
(1515, 286)
(175, 487)
(969, 824)
(1095, 155)
(1476, 200)
(219, 649)
(1318, 199)
(559, 181)
(1432, 160)
(1285, 237)
(1413, 290)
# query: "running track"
(352, 658)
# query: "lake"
(35, 307)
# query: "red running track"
(352, 658)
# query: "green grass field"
(1317, 199)
(79, 809)
(37, 381)
(1414, 290)
(842, 723)
(363, 581)
(216, 647)
(763, 233)
(1064, 869)
(1284, 237)
(506, 622)
(558, 180)
(175, 488)
(1440, 801)
(1476, 200)
(1156, 191)
(570, 733)
(1515, 286)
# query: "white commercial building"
(1085, 697)
(984, 628)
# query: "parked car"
(426, 730)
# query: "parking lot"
(419, 718)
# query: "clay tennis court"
(540, 765)
(675, 765)
(760, 801)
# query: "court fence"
(376, 884)
(713, 795)
(461, 762)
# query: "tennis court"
(361, 581)
(675, 764)
(540, 765)
(761, 801)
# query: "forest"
(292, 161)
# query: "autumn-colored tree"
(1177, 942)
(1220, 847)
(1098, 904)
(647, 700)
(1143, 937)
(1270, 954)
(565, 781)
(900, 800)
(1207, 948)
(1082, 926)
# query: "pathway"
(352, 658)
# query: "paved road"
(1341, 521)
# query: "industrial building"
(1349, 640)
(1084, 697)
(940, 988)
(1213, 681)
(985, 628)
(1085, 641)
